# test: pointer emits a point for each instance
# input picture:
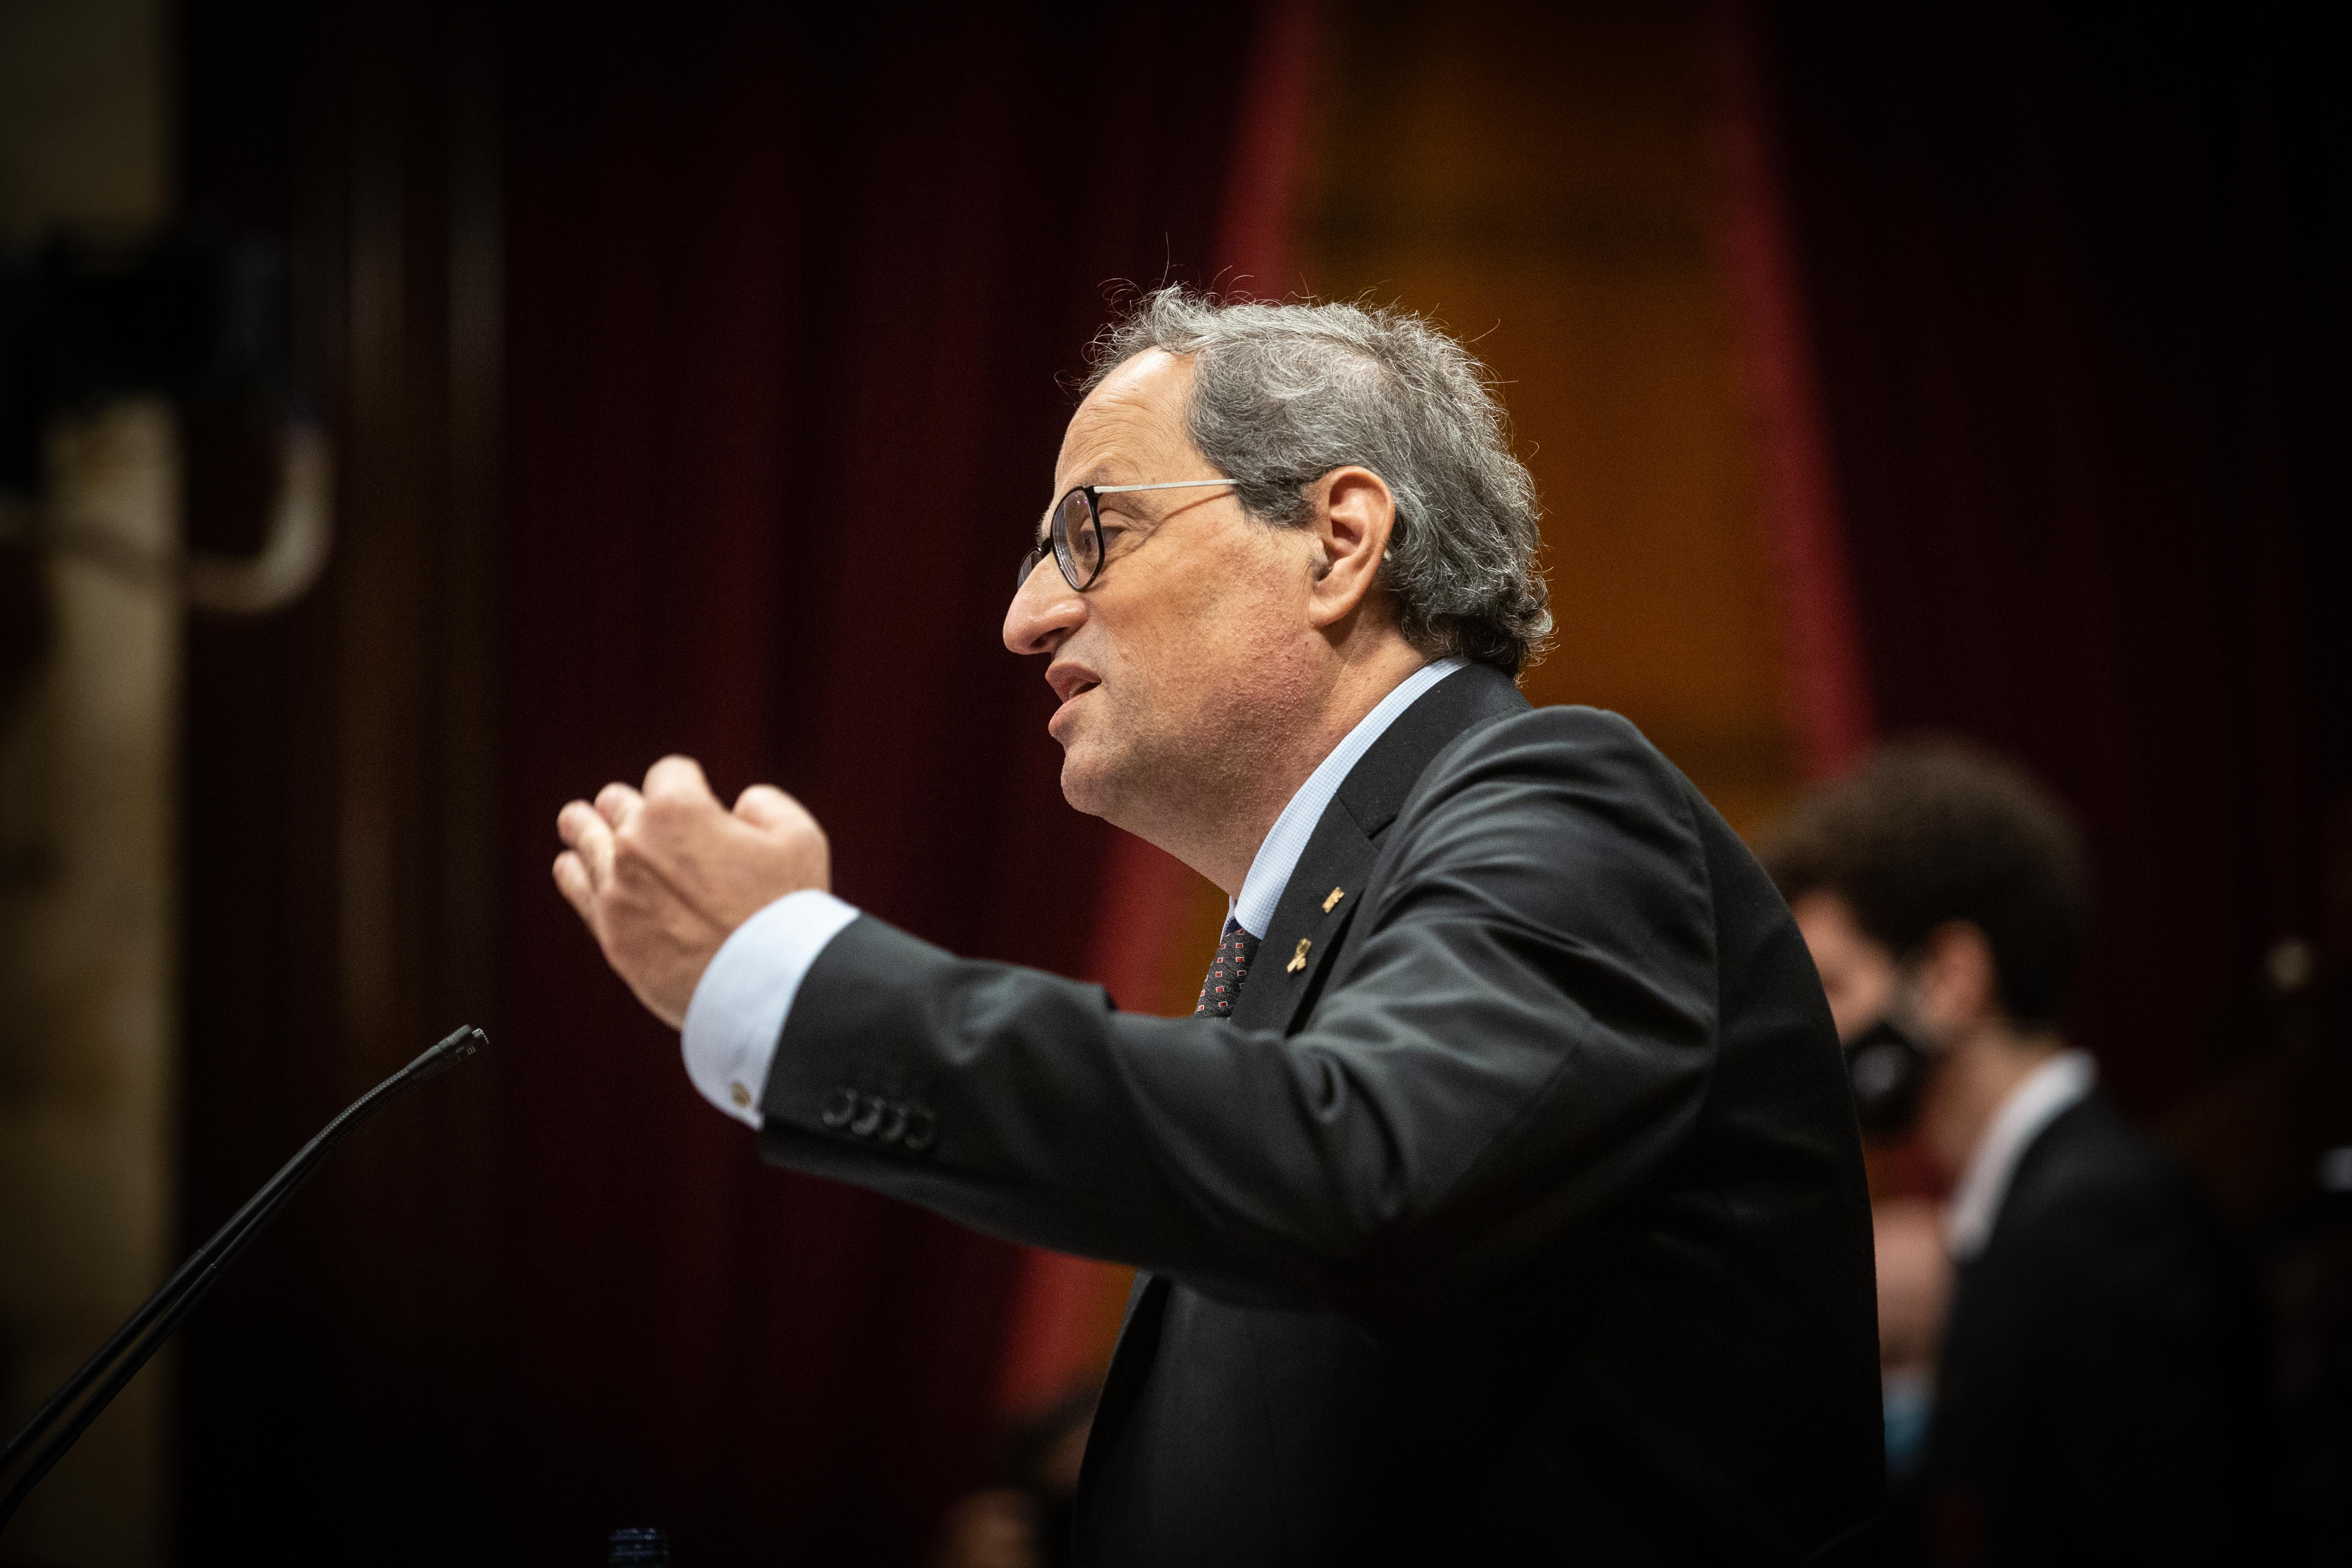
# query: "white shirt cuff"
(743, 997)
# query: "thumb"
(765, 805)
(678, 777)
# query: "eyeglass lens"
(1077, 542)
(1073, 539)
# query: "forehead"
(1131, 427)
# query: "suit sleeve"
(1525, 1035)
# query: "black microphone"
(145, 1330)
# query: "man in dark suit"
(1502, 1201)
(2100, 1393)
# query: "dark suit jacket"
(1521, 1218)
(2102, 1393)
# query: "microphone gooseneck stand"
(146, 1329)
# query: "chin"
(1083, 784)
(1098, 779)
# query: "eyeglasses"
(1073, 531)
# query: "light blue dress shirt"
(738, 1008)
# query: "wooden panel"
(1540, 184)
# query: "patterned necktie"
(1235, 949)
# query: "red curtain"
(2078, 287)
(1826, 688)
(788, 305)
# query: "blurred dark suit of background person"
(2103, 1389)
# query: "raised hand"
(663, 875)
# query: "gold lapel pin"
(1298, 960)
(1337, 894)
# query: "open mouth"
(1069, 694)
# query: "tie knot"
(1236, 950)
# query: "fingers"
(660, 876)
(585, 830)
(765, 805)
(571, 881)
(617, 803)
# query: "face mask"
(1887, 1071)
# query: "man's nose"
(1045, 611)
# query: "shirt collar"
(2049, 1091)
(1277, 855)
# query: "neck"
(1218, 824)
(1973, 1078)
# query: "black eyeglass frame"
(1056, 542)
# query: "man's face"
(1857, 973)
(1192, 647)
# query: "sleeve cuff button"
(922, 1127)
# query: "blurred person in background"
(2100, 1376)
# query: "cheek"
(1251, 615)
(1150, 643)
(1178, 641)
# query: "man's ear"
(1354, 513)
(1958, 986)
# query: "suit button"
(894, 1122)
(869, 1117)
(839, 1107)
(923, 1128)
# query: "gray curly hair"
(1282, 395)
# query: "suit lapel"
(1320, 899)
(1326, 888)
